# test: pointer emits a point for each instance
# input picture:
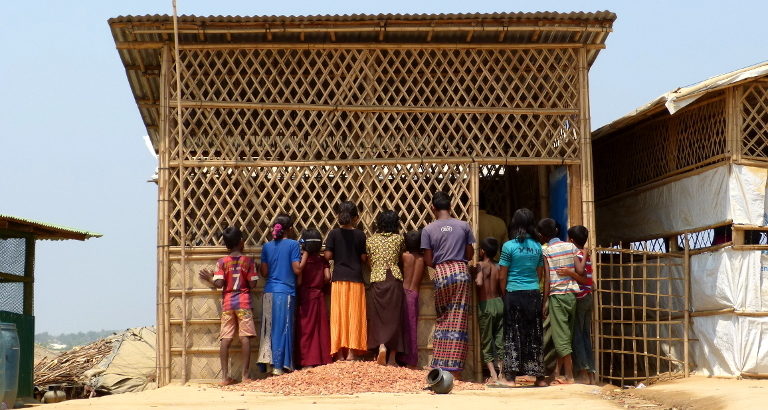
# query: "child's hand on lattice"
(206, 275)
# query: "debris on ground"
(119, 363)
(347, 377)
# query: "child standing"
(235, 276)
(346, 247)
(385, 295)
(447, 244)
(313, 331)
(413, 270)
(280, 264)
(561, 290)
(490, 312)
(583, 357)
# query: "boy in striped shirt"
(561, 290)
(235, 275)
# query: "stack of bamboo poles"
(70, 366)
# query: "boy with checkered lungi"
(447, 244)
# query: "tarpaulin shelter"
(684, 178)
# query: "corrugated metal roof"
(44, 230)
(680, 97)
(537, 15)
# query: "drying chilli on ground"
(347, 378)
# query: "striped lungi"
(452, 286)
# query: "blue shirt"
(522, 258)
(279, 255)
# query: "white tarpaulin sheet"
(733, 192)
(730, 343)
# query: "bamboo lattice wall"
(256, 128)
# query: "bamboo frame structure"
(643, 314)
(252, 116)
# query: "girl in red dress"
(313, 321)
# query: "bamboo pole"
(375, 27)
(376, 108)
(162, 227)
(182, 199)
(475, 214)
(164, 175)
(201, 163)
(150, 45)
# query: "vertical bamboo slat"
(686, 303)
(475, 214)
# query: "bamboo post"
(645, 314)
(182, 199)
(597, 315)
(686, 302)
(543, 191)
(475, 215)
(733, 123)
(585, 149)
(163, 302)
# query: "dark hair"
(523, 224)
(232, 237)
(490, 246)
(282, 224)
(311, 241)
(346, 212)
(388, 221)
(441, 201)
(579, 234)
(548, 228)
(413, 241)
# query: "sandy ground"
(699, 392)
(696, 392)
(189, 397)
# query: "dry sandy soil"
(693, 393)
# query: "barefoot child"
(560, 305)
(583, 358)
(413, 270)
(345, 245)
(280, 264)
(235, 276)
(385, 294)
(490, 312)
(314, 334)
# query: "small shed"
(17, 281)
(255, 115)
(684, 178)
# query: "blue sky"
(71, 135)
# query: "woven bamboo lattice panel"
(660, 147)
(754, 120)
(254, 195)
(305, 105)
(641, 303)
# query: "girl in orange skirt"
(346, 247)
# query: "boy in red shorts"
(235, 276)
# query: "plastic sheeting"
(730, 343)
(733, 192)
(131, 365)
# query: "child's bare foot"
(591, 377)
(562, 380)
(247, 380)
(381, 358)
(227, 382)
(541, 382)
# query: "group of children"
(541, 281)
(383, 318)
(295, 319)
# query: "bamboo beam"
(372, 28)
(146, 45)
(372, 108)
(371, 161)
